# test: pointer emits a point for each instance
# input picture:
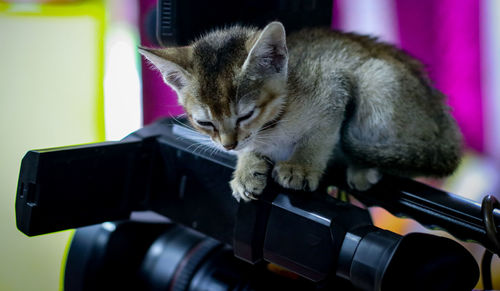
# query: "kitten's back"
(399, 123)
(348, 50)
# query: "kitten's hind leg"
(250, 176)
(399, 126)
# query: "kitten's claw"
(362, 179)
(250, 195)
(296, 176)
(247, 185)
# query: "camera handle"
(58, 188)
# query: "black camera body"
(190, 223)
(178, 22)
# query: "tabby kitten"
(291, 105)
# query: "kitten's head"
(231, 82)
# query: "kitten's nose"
(230, 146)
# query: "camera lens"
(182, 259)
(377, 259)
(108, 256)
(173, 258)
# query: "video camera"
(162, 217)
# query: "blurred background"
(70, 74)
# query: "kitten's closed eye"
(205, 123)
(246, 116)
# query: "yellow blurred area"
(51, 73)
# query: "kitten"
(291, 105)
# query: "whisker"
(192, 145)
(185, 125)
(273, 124)
(194, 138)
(261, 141)
(214, 151)
(198, 147)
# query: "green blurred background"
(52, 82)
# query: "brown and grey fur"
(319, 96)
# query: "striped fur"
(290, 105)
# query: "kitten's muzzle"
(230, 146)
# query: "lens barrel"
(142, 256)
(376, 259)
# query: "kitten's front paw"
(296, 176)
(362, 179)
(247, 184)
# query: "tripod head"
(161, 168)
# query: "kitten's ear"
(172, 64)
(268, 54)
